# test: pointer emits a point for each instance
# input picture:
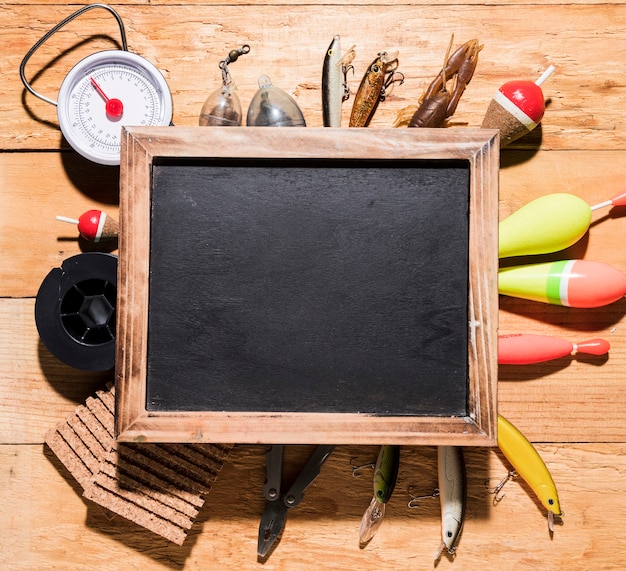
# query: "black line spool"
(75, 311)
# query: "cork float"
(94, 225)
(516, 108)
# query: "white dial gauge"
(104, 92)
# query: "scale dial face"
(104, 92)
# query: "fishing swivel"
(233, 56)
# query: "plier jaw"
(272, 523)
(278, 501)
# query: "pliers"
(275, 514)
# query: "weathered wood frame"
(479, 147)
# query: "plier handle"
(275, 514)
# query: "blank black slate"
(309, 286)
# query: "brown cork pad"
(158, 486)
(497, 117)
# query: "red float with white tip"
(94, 225)
(516, 108)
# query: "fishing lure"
(379, 76)
(440, 102)
(385, 477)
(335, 88)
(529, 465)
(452, 496)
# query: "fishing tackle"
(356, 468)
(94, 225)
(497, 496)
(335, 89)
(414, 500)
(548, 224)
(438, 102)
(273, 107)
(452, 496)
(380, 75)
(385, 477)
(223, 107)
(570, 283)
(386, 472)
(517, 108)
(278, 500)
(526, 348)
(530, 466)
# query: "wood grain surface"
(572, 409)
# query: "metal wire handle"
(56, 29)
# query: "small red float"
(94, 225)
(516, 108)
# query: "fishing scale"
(104, 92)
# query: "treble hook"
(346, 66)
(497, 497)
(346, 88)
(357, 469)
(414, 501)
(233, 56)
(391, 79)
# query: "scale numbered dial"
(104, 92)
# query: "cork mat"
(160, 487)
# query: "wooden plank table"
(571, 409)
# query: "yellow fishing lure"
(529, 465)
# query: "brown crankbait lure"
(378, 77)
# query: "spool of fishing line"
(75, 311)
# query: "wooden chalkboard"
(295, 285)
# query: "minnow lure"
(452, 496)
(372, 90)
(529, 465)
(385, 477)
(386, 472)
(335, 88)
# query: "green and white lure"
(385, 476)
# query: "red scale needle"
(113, 107)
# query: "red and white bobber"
(94, 225)
(516, 108)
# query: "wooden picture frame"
(179, 186)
